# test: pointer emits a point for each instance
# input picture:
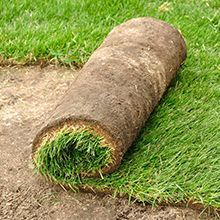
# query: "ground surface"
(69, 31)
(177, 155)
(27, 95)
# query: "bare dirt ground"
(27, 95)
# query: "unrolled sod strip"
(104, 109)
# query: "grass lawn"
(177, 156)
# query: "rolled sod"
(101, 114)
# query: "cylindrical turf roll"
(108, 103)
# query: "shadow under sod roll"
(104, 109)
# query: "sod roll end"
(104, 109)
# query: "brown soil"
(27, 95)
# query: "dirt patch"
(27, 95)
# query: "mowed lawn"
(177, 155)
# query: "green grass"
(177, 156)
(71, 154)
